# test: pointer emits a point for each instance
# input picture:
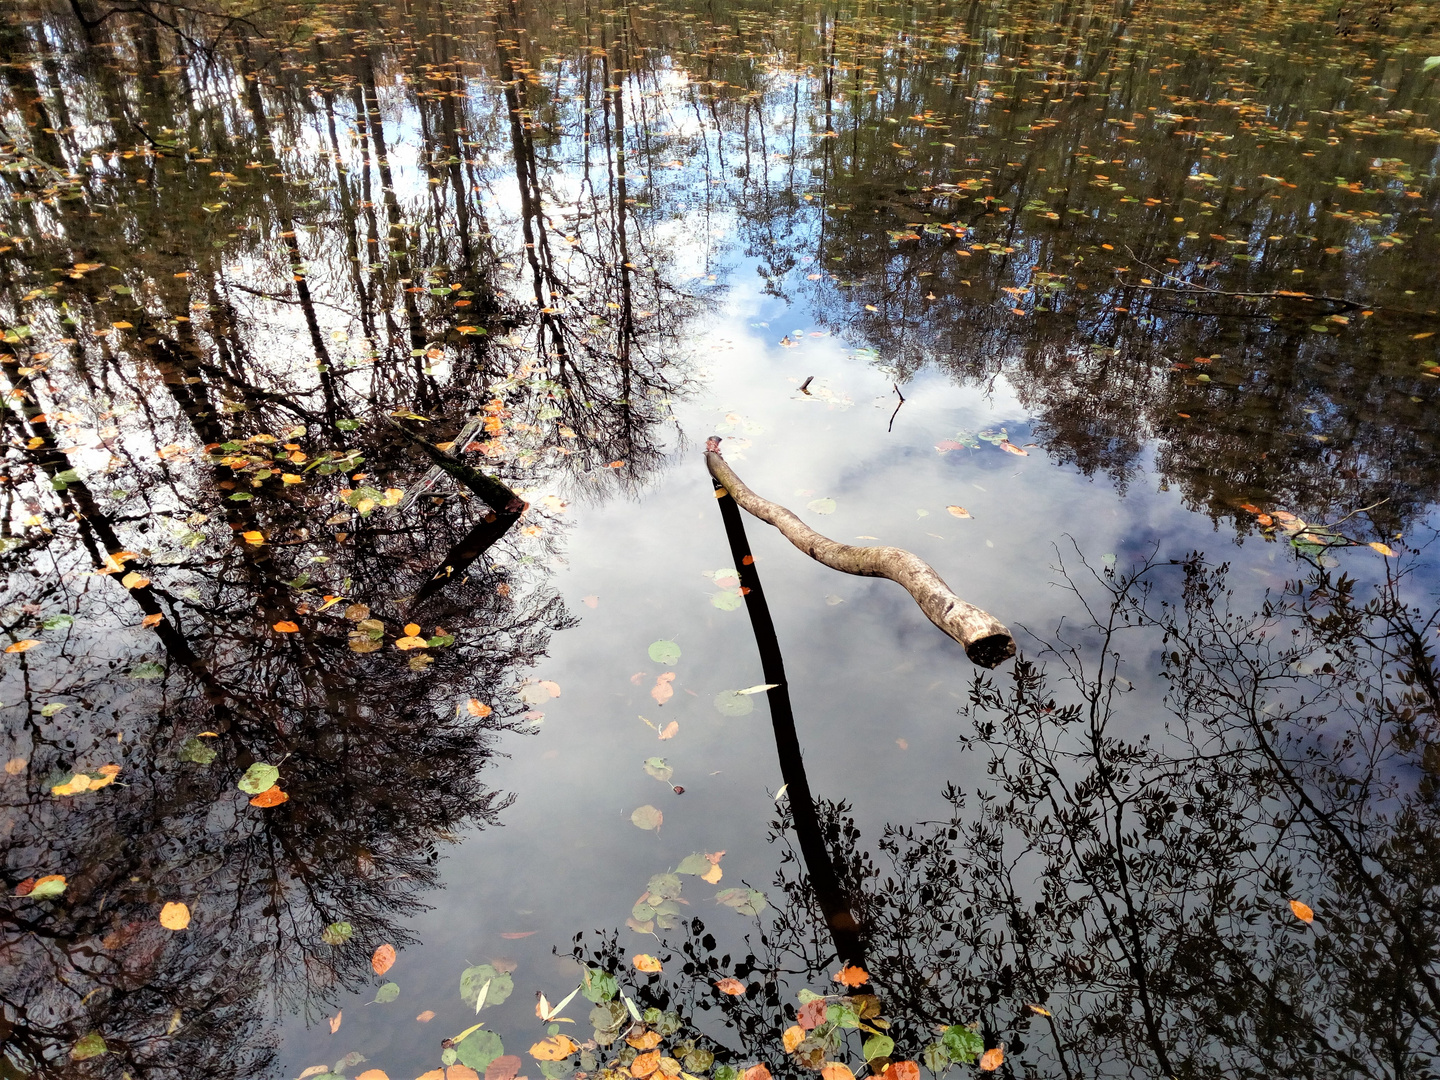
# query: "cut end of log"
(991, 651)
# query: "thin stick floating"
(987, 642)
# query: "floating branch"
(987, 642)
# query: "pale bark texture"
(987, 642)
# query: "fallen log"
(986, 640)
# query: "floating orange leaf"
(373, 1074)
(852, 976)
(426, 1016)
(756, 1072)
(559, 1047)
(645, 1064)
(793, 1037)
(902, 1070)
(644, 1040)
(836, 1070)
(271, 796)
(646, 962)
(733, 987)
(1039, 1009)
(662, 691)
(992, 1059)
(22, 646)
(152, 620)
(504, 1067)
(1302, 911)
(253, 536)
(335, 1021)
(477, 708)
(285, 626)
(383, 959)
(175, 916)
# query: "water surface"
(1121, 315)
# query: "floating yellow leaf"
(409, 642)
(836, 1070)
(253, 536)
(646, 962)
(132, 580)
(793, 1037)
(175, 916)
(1039, 1009)
(76, 784)
(644, 1040)
(1383, 549)
(958, 511)
(291, 478)
(559, 1047)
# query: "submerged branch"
(987, 642)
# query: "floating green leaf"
(647, 817)
(664, 652)
(963, 1045)
(91, 1046)
(878, 1046)
(693, 864)
(51, 885)
(196, 751)
(745, 901)
(821, 506)
(727, 601)
(598, 986)
(479, 1048)
(259, 777)
(473, 978)
(387, 993)
(657, 768)
(734, 703)
(150, 669)
(337, 933)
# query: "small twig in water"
(897, 407)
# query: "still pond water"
(1122, 315)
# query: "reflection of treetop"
(1112, 904)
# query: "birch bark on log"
(986, 640)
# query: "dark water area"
(378, 658)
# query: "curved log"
(987, 642)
